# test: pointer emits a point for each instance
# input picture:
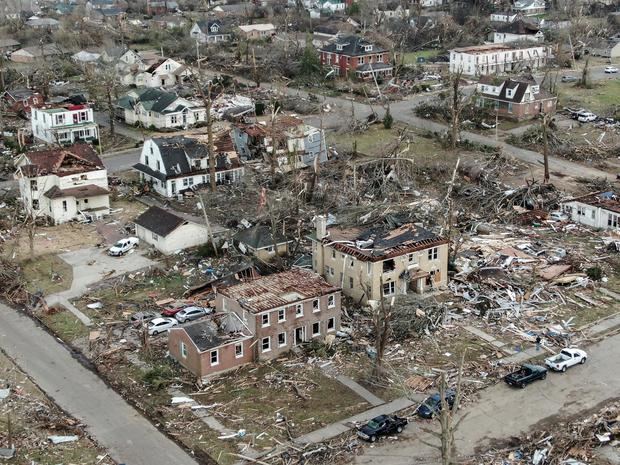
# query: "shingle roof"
(278, 290)
(519, 27)
(77, 158)
(159, 221)
(81, 192)
(259, 237)
(207, 334)
(152, 99)
(352, 46)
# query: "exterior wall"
(345, 64)
(199, 363)
(289, 326)
(161, 121)
(185, 236)
(504, 37)
(265, 254)
(595, 217)
(355, 276)
(52, 127)
(256, 34)
(498, 61)
(519, 111)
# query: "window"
(281, 315)
(389, 288)
(281, 339)
(185, 182)
(265, 319)
(85, 201)
(331, 324)
(266, 344)
(183, 350)
(351, 262)
(270, 249)
(158, 166)
(151, 147)
(35, 204)
(215, 358)
(316, 329)
(360, 60)
(64, 205)
(368, 268)
(331, 301)
(613, 220)
(173, 119)
(146, 161)
(299, 310)
(593, 214)
(333, 253)
(316, 305)
(155, 237)
(581, 210)
(239, 350)
(351, 282)
(389, 265)
(197, 164)
(433, 253)
(34, 185)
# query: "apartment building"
(498, 58)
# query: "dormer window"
(214, 28)
(368, 48)
(509, 93)
(339, 47)
(535, 89)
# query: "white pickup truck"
(123, 246)
(566, 359)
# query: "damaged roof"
(352, 46)
(259, 237)
(279, 290)
(605, 200)
(207, 334)
(519, 27)
(380, 243)
(80, 192)
(77, 158)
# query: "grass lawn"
(601, 98)
(410, 58)
(48, 274)
(65, 325)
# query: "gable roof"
(259, 237)
(159, 221)
(352, 46)
(152, 99)
(205, 26)
(77, 158)
(519, 27)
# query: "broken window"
(183, 350)
(35, 204)
(281, 339)
(34, 185)
(433, 253)
(331, 324)
(351, 282)
(389, 288)
(239, 350)
(388, 265)
(333, 253)
(299, 310)
(215, 359)
(331, 301)
(316, 306)
(266, 344)
(316, 329)
(265, 319)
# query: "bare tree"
(547, 124)
(458, 103)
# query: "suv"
(432, 405)
(586, 117)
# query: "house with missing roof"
(353, 55)
(378, 262)
(209, 32)
(257, 31)
(479, 60)
(64, 184)
(599, 210)
(151, 107)
(517, 31)
(514, 99)
(63, 124)
(165, 72)
(169, 232)
(175, 165)
(22, 100)
(261, 242)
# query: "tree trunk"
(110, 111)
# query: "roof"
(257, 27)
(259, 237)
(5, 43)
(152, 99)
(373, 67)
(208, 334)
(605, 200)
(380, 243)
(77, 158)
(159, 221)
(352, 46)
(519, 27)
(39, 51)
(519, 88)
(80, 192)
(205, 26)
(278, 290)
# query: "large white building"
(64, 184)
(600, 210)
(498, 58)
(64, 125)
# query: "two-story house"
(64, 183)
(297, 144)
(209, 32)
(63, 125)
(517, 31)
(515, 99)
(353, 55)
(283, 310)
(164, 72)
(498, 58)
(380, 262)
(529, 7)
(151, 107)
(173, 165)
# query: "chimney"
(320, 223)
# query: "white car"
(566, 359)
(558, 216)
(159, 325)
(123, 246)
(586, 117)
(191, 313)
(611, 69)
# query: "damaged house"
(260, 242)
(173, 165)
(297, 144)
(64, 184)
(380, 262)
(353, 55)
(164, 72)
(599, 210)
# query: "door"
(300, 335)
(173, 186)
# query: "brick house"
(283, 310)
(516, 100)
(353, 54)
(379, 261)
(21, 101)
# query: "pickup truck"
(566, 359)
(525, 375)
(382, 425)
(123, 246)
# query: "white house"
(517, 31)
(431, 3)
(164, 72)
(64, 125)
(529, 7)
(600, 210)
(169, 232)
(64, 183)
(174, 165)
(257, 31)
(497, 58)
(504, 16)
(160, 109)
(209, 32)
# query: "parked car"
(192, 313)
(558, 216)
(525, 375)
(143, 317)
(586, 117)
(123, 246)
(432, 405)
(172, 310)
(382, 425)
(566, 359)
(611, 69)
(569, 79)
(159, 325)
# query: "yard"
(603, 98)
(411, 58)
(47, 274)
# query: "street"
(127, 435)
(502, 412)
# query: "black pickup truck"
(382, 425)
(525, 375)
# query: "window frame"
(318, 324)
(331, 301)
(281, 315)
(299, 310)
(183, 349)
(262, 344)
(262, 320)
(240, 354)
(316, 305)
(283, 344)
(215, 352)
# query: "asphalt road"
(128, 436)
(503, 412)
